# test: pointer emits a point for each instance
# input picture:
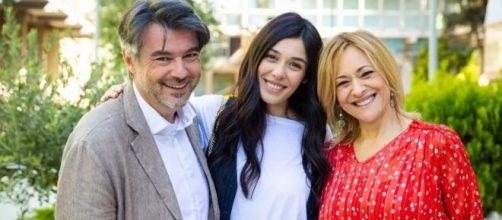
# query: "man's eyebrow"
(167, 53)
(160, 53)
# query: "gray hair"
(172, 14)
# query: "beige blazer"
(111, 168)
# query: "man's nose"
(179, 69)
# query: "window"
(390, 21)
(371, 21)
(395, 45)
(257, 20)
(350, 21)
(329, 4)
(311, 18)
(411, 5)
(308, 4)
(261, 3)
(418, 22)
(329, 21)
(234, 19)
(350, 4)
(392, 5)
(371, 4)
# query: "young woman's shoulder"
(205, 103)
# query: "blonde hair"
(380, 58)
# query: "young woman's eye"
(296, 66)
(271, 57)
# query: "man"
(139, 156)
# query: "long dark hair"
(244, 118)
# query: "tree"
(452, 58)
(471, 14)
(35, 118)
(475, 113)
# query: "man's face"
(168, 68)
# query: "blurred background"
(57, 57)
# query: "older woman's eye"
(367, 73)
(342, 83)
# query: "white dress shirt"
(183, 167)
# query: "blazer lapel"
(193, 135)
(146, 151)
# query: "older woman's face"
(360, 89)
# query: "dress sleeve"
(457, 180)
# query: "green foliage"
(463, 13)
(36, 118)
(451, 57)
(42, 214)
(471, 14)
(6, 2)
(475, 112)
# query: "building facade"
(402, 24)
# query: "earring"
(339, 126)
(392, 100)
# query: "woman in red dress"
(386, 164)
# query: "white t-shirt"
(283, 188)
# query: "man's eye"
(192, 55)
(162, 59)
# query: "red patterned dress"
(424, 173)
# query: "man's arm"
(84, 188)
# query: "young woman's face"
(280, 73)
(360, 89)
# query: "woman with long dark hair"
(267, 161)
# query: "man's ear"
(129, 61)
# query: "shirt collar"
(157, 123)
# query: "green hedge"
(36, 119)
(475, 112)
